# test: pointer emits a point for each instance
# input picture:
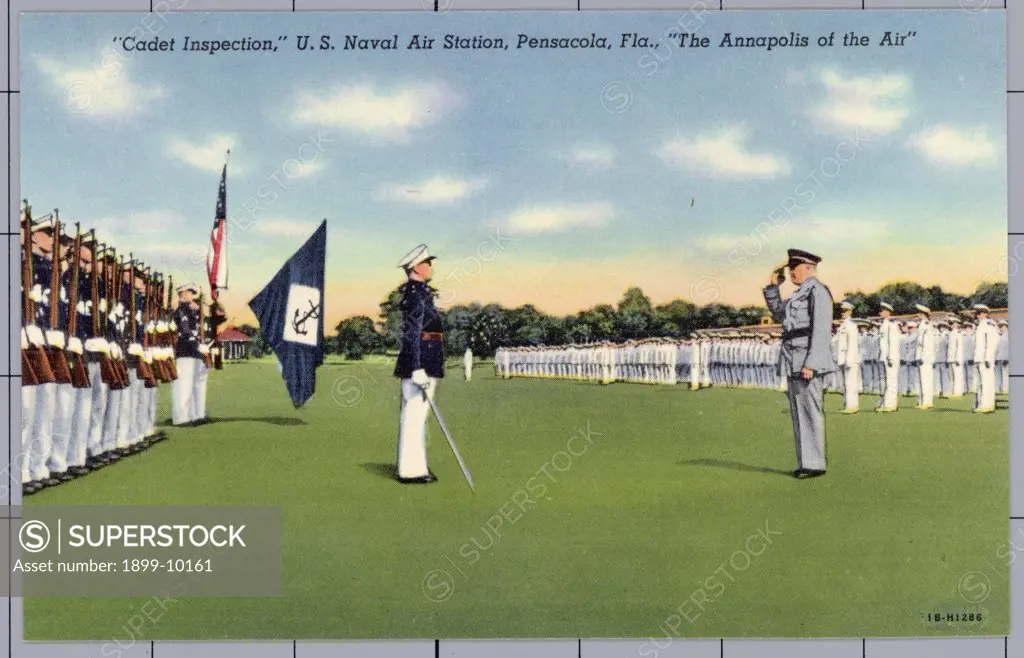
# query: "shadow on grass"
(379, 469)
(281, 421)
(735, 466)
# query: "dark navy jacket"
(41, 274)
(418, 315)
(187, 319)
(83, 325)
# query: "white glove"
(420, 378)
(55, 339)
(35, 335)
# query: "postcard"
(614, 324)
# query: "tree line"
(485, 327)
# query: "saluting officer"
(806, 355)
(420, 364)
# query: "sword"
(451, 442)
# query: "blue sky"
(556, 177)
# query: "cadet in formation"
(924, 358)
(88, 394)
(986, 344)
(848, 358)
(890, 351)
(1003, 358)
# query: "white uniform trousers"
(851, 385)
(100, 393)
(412, 429)
(126, 412)
(184, 390)
(957, 374)
(64, 411)
(926, 377)
(151, 394)
(986, 378)
(28, 420)
(891, 388)
(76, 454)
(112, 419)
(198, 411)
(42, 431)
(136, 413)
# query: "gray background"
(997, 647)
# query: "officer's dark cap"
(801, 257)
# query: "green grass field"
(666, 506)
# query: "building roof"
(233, 335)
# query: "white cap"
(847, 305)
(912, 324)
(981, 307)
(887, 306)
(922, 308)
(188, 286)
(418, 255)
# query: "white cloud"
(951, 147)
(103, 91)
(874, 104)
(282, 227)
(723, 155)
(596, 157)
(766, 238)
(386, 114)
(559, 218)
(140, 223)
(436, 190)
(208, 156)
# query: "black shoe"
(805, 473)
(29, 488)
(423, 479)
(66, 476)
(79, 471)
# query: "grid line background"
(985, 647)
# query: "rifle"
(116, 295)
(38, 370)
(145, 369)
(106, 363)
(79, 372)
(172, 337)
(58, 359)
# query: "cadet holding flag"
(806, 355)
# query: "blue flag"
(290, 313)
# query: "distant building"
(234, 344)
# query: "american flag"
(217, 258)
